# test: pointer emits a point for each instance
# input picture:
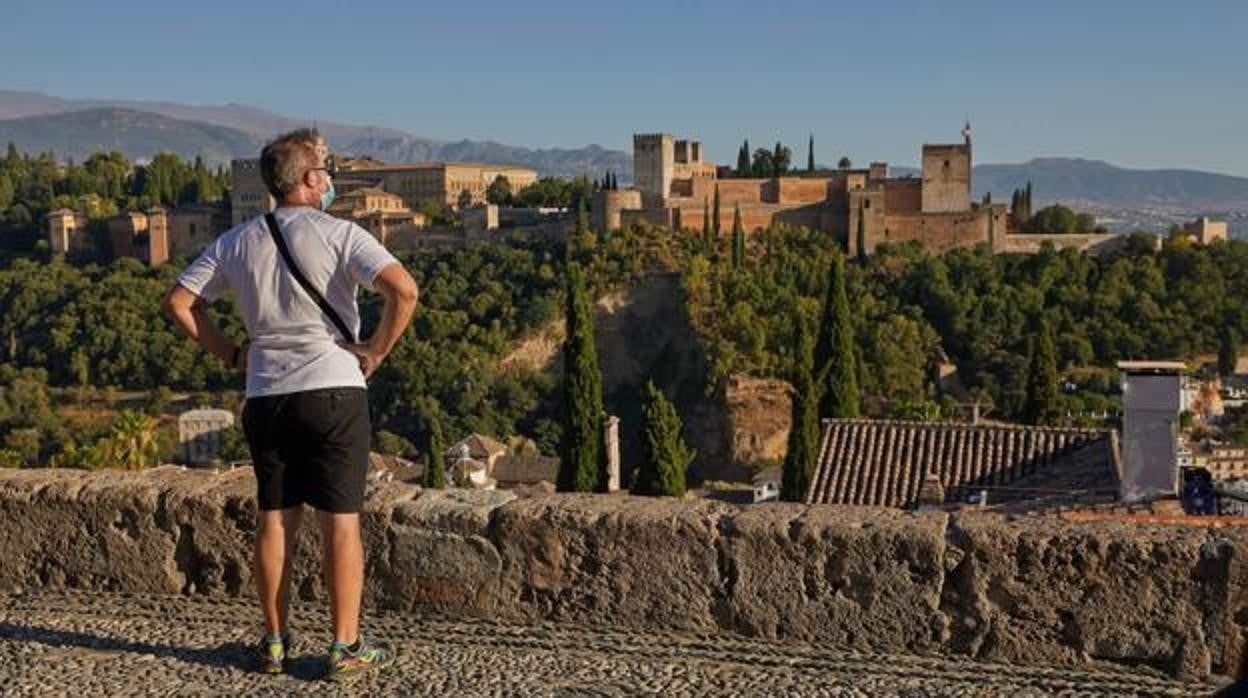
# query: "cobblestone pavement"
(87, 644)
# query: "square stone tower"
(157, 236)
(654, 165)
(249, 197)
(947, 177)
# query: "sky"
(1142, 83)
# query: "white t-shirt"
(294, 345)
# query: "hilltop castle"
(674, 187)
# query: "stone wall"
(1025, 590)
(1029, 243)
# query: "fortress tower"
(654, 165)
(947, 176)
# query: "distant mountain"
(140, 135)
(1099, 182)
(390, 145)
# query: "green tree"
(861, 234)
(764, 164)
(582, 467)
(499, 191)
(844, 163)
(799, 459)
(743, 160)
(391, 444)
(434, 476)
(1228, 350)
(582, 218)
(836, 365)
(6, 191)
(738, 239)
(810, 154)
(25, 443)
(132, 443)
(1040, 404)
(781, 158)
(706, 222)
(664, 454)
(715, 215)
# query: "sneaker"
(346, 661)
(272, 652)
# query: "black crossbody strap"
(296, 272)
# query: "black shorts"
(310, 448)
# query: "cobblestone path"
(87, 644)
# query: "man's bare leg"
(275, 539)
(344, 572)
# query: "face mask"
(327, 196)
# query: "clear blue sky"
(1140, 83)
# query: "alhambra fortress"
(675, 188)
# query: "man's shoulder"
(232, 238)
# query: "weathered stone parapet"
(1027, 590)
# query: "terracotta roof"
(526, 468)
(884, 463)
(369, 191)
(479, 446)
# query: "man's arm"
(398, 288)
(190, 313)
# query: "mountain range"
(75, 128)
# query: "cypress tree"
(799, 460)
(738, 239)
(582, 465)
(582, 217)
(435, 465)
(1040, 405)
(743, 160)
(715, 215)
(706, 221)
(810, 154)
(862, 234)
(836, 364)
(664, 454)
(1228, 350)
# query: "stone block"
(1047, 591)
(646, 562)
(861, 577)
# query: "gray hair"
(286, 158)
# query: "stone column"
(611, 439)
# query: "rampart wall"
(1025, 590)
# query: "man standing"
(306, 417)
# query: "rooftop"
(437, 165)
(1152, 366)
(884, 462)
